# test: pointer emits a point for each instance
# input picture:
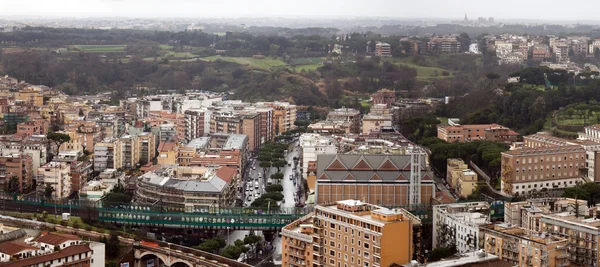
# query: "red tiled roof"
(65, 252)
(226, 173)
(166, 146)
(12, 248)
(56, 238)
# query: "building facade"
(390, 180)
(458, 224)
(519, 247)
(19, 166)
(346, 115)
(56, 175)
(384, 96)
(462, 179)
(527, 169)
(189, 189)
(350, 233)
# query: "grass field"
(576, 120)
(99, 48)
(422, 72)
(265, 64)
(306, 67)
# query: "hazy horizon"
(530, 10)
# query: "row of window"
(547, 185)
(548, 158)
(535, 177)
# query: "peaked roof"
(387, 165)
(56, 238)
(362, 165)
(336, 165)
(12, 248)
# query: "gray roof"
(200, 142)
(236, 141)
(213, 185)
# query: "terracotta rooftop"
(166, 146)
(226, 173)
(66, 252)
(56, 238)
(12, 248)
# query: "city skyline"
(426, 9)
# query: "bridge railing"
(198, 253)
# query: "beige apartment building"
(527, 169)
(147, 147)
(582, 234)
(473, 132)
(350, 233)
(376, 122)
(346, 115)
(58, 176)
(126, 152)
(462, 179)
(249, 124)
(521, 248)
(527, 214)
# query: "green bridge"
(168, 217)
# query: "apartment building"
(462, 179)
(104, 155)
(527, 214)
(331, 127)
(383, 49)
(447, 44)
(582, 235)
(472, 132)
(384, 96)
(81, 171)
(249, 125)
(389, 180)
(529, 169)
(458, 224)
(312, 145)
(591, 132)
(195, 124)
(147, 147)
(592, 150)
(189, 189)
(127, 152)
(346, 115)
(33, 127)
(350, 233)
(17, 165)
(167, 133)
(36, 146)
(167, 153)
(374, 123)
(520, 247)
(58, 176)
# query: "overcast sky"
(578, 10)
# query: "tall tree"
(58, 139)
(13, 185)
(492, 76)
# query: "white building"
(49, 241)
(458, 224)
(312, 145)
(36, 146)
